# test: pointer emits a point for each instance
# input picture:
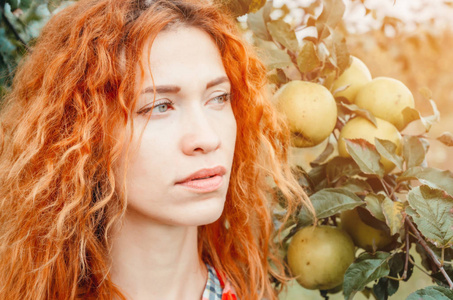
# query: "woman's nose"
(200, 134)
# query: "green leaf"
(426, 260)
(365, 155)
(367, 268)
(328, 72)
(426, 92)
(431, 212)
(292, 72)
(318, 176)
(302, 177)
(328, 202)
(257, 22)
(359, 112)
(324, 155)
(373, 204)
(14, 4)
(439, 277)
(432, 293)
(430, 120)
(282, 33)
(308, 60)
(432, 177)
(255, 5)
(413, 151)
(277, 77)
(340, 51)
(339, 167)
(387, 149)
(410, 115)
(6, 46)
(331, 15)
(394, 214)
(367, 218)
(386, 286)
(237, 7)
(25, 4)
(277, 59)
(272, 56)
(397, 263)
(356, 186)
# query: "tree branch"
(406, 264)
(430, 252)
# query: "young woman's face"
(180, 160)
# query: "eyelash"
(225, 98)
(158, 103)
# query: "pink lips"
(204, 180)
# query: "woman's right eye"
(157, 108)
(161, 107)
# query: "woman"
(137, 147)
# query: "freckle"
(308, 263)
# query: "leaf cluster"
(312, 50)
(413, 204)
(20, 24)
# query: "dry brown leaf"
(446, 138)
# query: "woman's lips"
(204, 180)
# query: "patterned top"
(216, 288)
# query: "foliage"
(20, 24)
(413, 203)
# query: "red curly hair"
(62, 130)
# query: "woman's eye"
(161, 107)
(157, 108)
(221, 98)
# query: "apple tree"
(372, 181)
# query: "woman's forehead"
(181, 52)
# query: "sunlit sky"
(428, 13)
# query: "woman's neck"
(155, 261)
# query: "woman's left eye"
(221, 98)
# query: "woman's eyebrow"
(162, 89)
(173, 89)
(217, 81)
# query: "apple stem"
(394, 278)
(430, 252)
(290, 234)
(334, 220)
(324, 294)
